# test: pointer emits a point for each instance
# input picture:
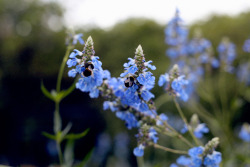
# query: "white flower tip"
(176, 67)
(139, 49)
(90, 41)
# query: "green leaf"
(69, 154)
(66, 130)
(86, 158)
(69, 90)
(46, 92)
(74, 136)
(58, 96)
(50, 136)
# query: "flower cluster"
(144, 137)
(138, 82)
(226, 50)
(246, 46)
(89, 68)
(130, 97)
(201, 156)
(175, 84)
(175, 36)
(197, 128)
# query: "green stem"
(169, 149)
(140, 161)
(61, 70)
(58, 140)
(59, 152)
(161, 100)
(185, 121)
(58, 88)
(178, 135)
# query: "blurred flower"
(176, 36)
(73, 38)
(139, 151)
(246, 46)
(227, 54)
(121, 145)
(245, 132)
(243, 73)
(146, 135)
(201, 156)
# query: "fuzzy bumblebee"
(88, 69)
(129, 81)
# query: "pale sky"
(106, 13)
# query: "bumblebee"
(129, 81)
(88, 69)
(89, 65)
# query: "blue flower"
(94, 93)
(72, 62)
(129, 118)
(78, 37)
(200, 129)
(183, 160)
(245, 132)
(147, 80)
(175, 32)
(226, 51)
(148, 64)
(72, 73)
(153, 135)
(195, 151)
(176, 36)
(178, 86)
(130, 67)
(117, 85)
(184, 129)
(143, 107)
(146, 94)
(131, 95)
(164, 79)
(110, 105)
(198, 46)
(243, 73)
(215, 63)
(246, 46)
(75, 53)
(198, 158)
(139, 151)
(90, 83)
(162, 118)
(213, 159)
(173, 165)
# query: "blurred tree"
(30, 30)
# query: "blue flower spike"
(87, 65)
(175, 84)
(146, 136)
(138, 82)
(202, 156)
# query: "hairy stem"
(169, 149)
(185, 121)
